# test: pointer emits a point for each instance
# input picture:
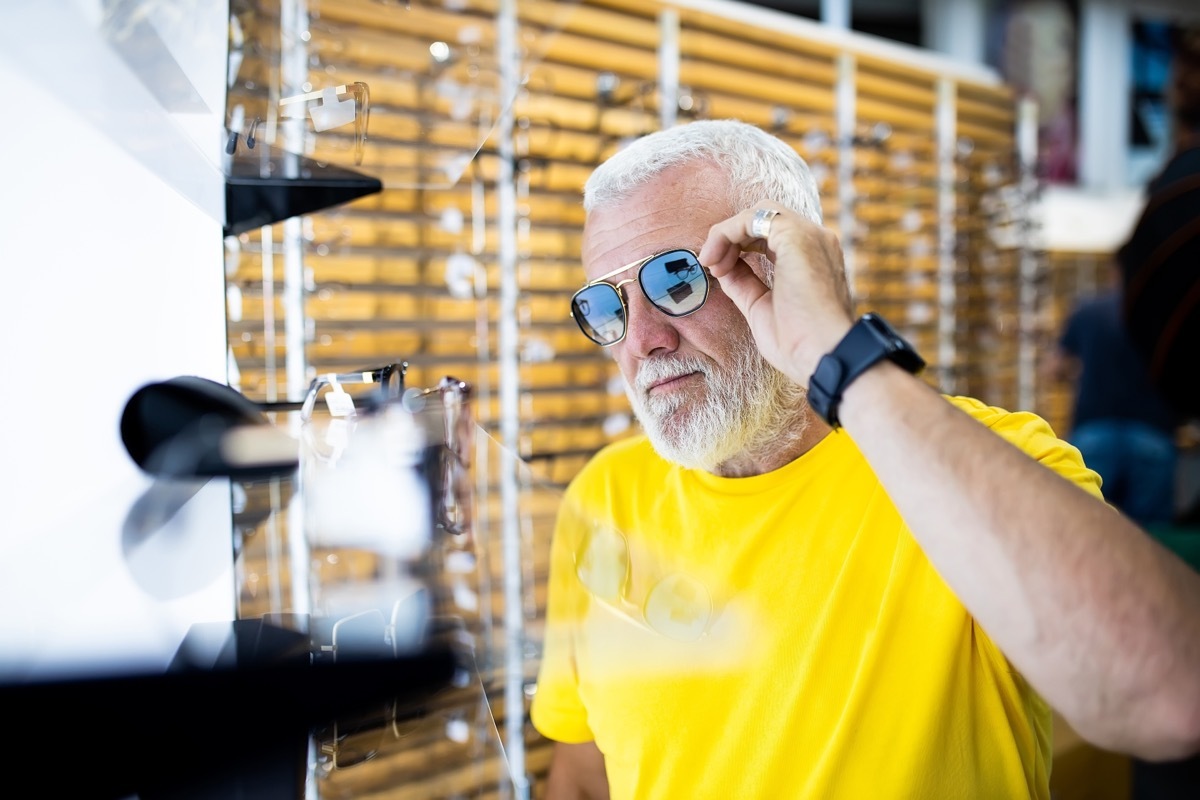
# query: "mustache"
(656, 370)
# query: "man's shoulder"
(1027, 430)
(1034, 435)
(997, 418)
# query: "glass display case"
(369, 550)
(384, 543)
(365, 658)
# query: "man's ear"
(762, 266)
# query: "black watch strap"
(869, 341)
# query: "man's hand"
(801, 312)
(577, 773)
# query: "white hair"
(758, 166)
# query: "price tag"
(340, 403)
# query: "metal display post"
(668, 67)
(1027, 302)
(510, 410)
(947, 349)
(847, 119)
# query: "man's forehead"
(675, 209)
(622, 257)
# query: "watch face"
(898, 349)
(880, 326)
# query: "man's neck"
(780, 450)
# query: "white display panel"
(114, 278)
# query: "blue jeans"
(1136, 462)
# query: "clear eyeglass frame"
(453, 506)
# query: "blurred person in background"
(1160, 270)
(1160, 262)
(814, 575)
(1121, 425)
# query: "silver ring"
(760, 226)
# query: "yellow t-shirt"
(779, 636)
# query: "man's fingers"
(731, 237)
(742, 286)
(719, 253)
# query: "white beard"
(747, 407)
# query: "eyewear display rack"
(482, 120)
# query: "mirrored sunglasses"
(673, 281)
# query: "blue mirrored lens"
(675, 282)
(600, 314)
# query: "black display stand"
(259, 191)
(236, 730)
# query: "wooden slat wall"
(376, 269)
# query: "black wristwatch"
(867, 343)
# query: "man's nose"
(649, 330)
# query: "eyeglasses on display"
(389, 377)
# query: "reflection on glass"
(676, 605)
(327, 111)
(446, 745)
